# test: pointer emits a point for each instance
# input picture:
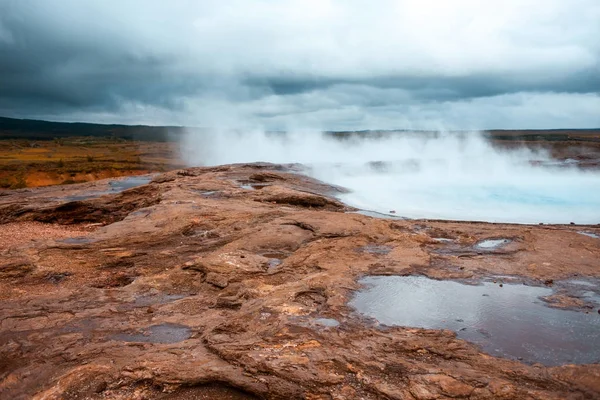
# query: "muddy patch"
(163, 333)
(509, 320)
(57, 277)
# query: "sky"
(309, 64)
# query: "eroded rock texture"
(224, 283)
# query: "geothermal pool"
(525, 194)
(448, 176)
(510, 320)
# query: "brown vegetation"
(26, 163)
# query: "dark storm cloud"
(323, 63)
(437, 88)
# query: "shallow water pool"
(507, 321)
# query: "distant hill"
(12, 128)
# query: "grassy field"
(30, 163)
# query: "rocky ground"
(214, 282)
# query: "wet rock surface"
(177, 294)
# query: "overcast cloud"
(321, 64)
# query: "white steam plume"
(418, 175)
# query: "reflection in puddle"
(129, 183)
(164, 333)
(273, 265)
(492, 243)
(116, 186)
(508, 321)
(443, 240)
(77, 240)
(274, 262)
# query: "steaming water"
(446, 177)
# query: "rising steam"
(418, 175)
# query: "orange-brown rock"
(194, 287)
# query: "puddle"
(452, 247)
(443, 240)
(164, 333)
(274, 262)
(328, 322)
(254, 186)
(148, 300)
(116, 186)
(509, 321)
(128, 183)
(375, 249)
(77, 240)
(490, 244)
(590, 234)
(273, 265)
(206, 193)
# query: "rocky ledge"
(233, 282)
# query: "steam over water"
(449, 176)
